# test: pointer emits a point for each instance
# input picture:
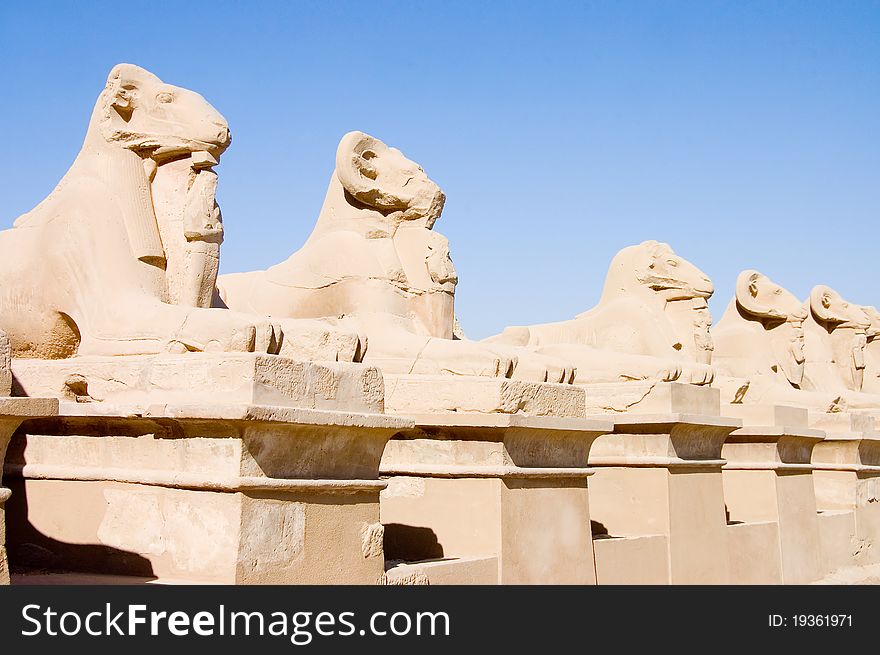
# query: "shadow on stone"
(410, 543)
(31, 551)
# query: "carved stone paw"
(536, 367)
(464, 358)
(314, 340)
(217, 330)
(693, 373)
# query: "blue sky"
(745, 134)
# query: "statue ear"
(357, 170)
(821, 301)
(747, 292)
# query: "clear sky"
(744, 134)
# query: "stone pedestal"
(768, 478)
(234, 468)
(512, 487)
(12, 412)
(847, 479)
(458, 394)
(659, 473)
(137, 382)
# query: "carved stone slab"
(196, 378)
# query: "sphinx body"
(760, 348)
(651, 323)
(871, 382)
(374, 264)
(836, 348)
(108, 265)
(5, 365)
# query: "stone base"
(684, 505)
(632, 560)
(508, 487)
(12, 412)
(837, 531)
(202, 378)
(232, 494)
(453, 571)
(841, 422)
(203, 536)
(652, 398)
(859, 492)
(786, 499)
(432, 394)
(661, 474)
(754, 553)
(768, 478)
(847, 477)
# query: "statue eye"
(777, 292)
(164, 97)
(672, 262)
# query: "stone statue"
(374, 263)
(759, 347)
(652, 323)
(871, 382)
(5, 366)
(761, 333)
(772, 348)
(121, 258)
(836, 337)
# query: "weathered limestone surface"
(506, 486)
(326, 420)
(5, 366)
(226, 493)
(659, 473)
(121, 258)
(847, 478)
(458, 571)
(195, 378)
(835, 332)
(768, 478)
(419, 394)
(12, 412)
(374, 264)
(754, 553)
(632, 560)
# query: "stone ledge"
(841, 422)
(493, 445)
(622, 398)
(664, 440)
(504, 472)
(143, 380)
(25, 408)
(219, 444)
(512, 421)
(761, 415)
(651, 420)
(431, 394)
(184, 480)
(447, 571)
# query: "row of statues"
(122, 258)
